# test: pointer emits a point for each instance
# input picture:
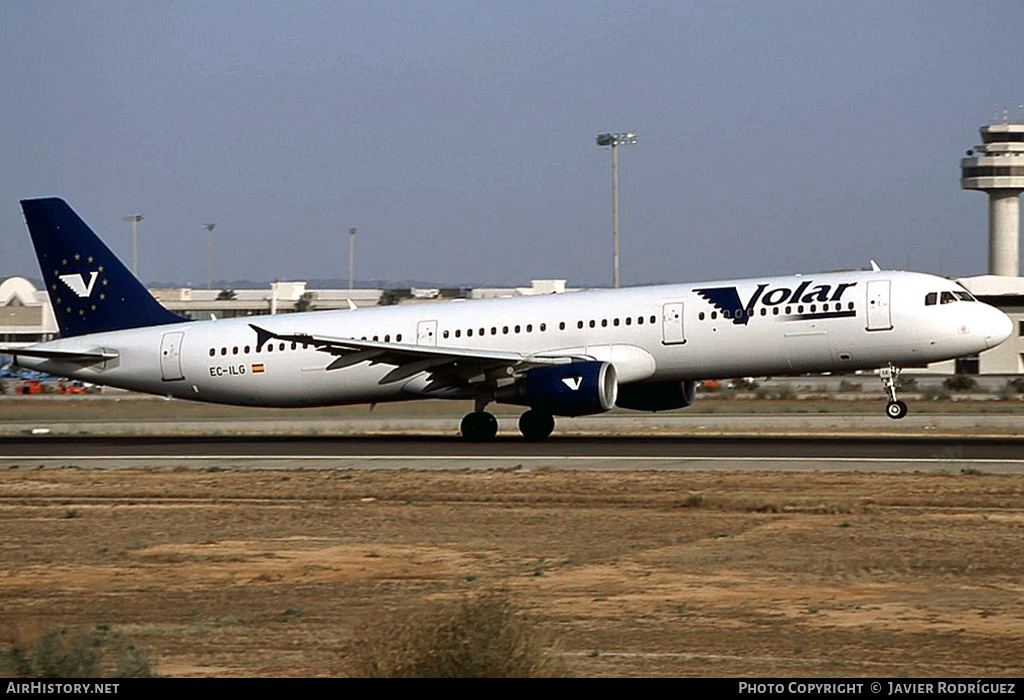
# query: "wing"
(448, 368)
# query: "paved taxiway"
(780, 453)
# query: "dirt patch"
(271, 573)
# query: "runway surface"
(815, 453)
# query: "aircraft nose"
(998, 327)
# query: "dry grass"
(479, 636)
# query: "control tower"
(997, 167)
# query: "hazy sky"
(458, 136)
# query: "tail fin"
(90, 289)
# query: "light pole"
(209, 254)
(351, 258)
(626, 138)
(134, 220)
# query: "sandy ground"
(246, 572)
(268, 573)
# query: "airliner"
(567, 354)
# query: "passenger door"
(170, 356)
(672, 324)
(879, 316)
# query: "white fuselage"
(783, 325)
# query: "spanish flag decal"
(257, 369)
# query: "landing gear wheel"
(890, 376)
(536, 425)
(479, 426)
(896, 409)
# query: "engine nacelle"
(657, 397)
(574, 389)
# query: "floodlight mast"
(627, 138)
(209, 254)
(134, 220)
(351, 258)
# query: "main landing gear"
(890, 375)
(481, 426)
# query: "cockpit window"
(949, 297)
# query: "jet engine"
(573, 389)
(657, 397)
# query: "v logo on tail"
(76, 283)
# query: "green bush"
(960, 382)
(935, 392)
(479, 637)
(59, 653)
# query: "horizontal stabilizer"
(66, 355)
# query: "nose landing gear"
(895, 409)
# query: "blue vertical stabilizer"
(90, 289)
